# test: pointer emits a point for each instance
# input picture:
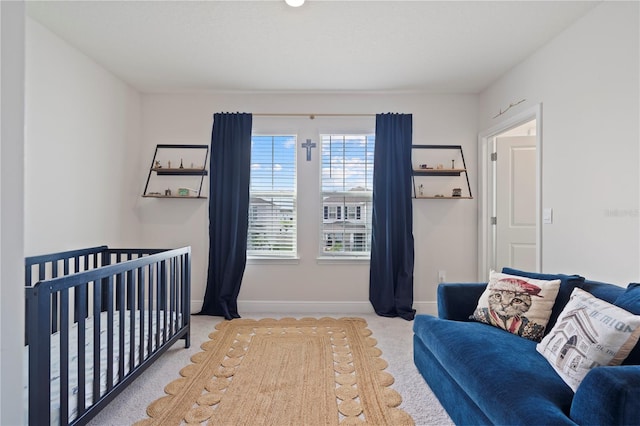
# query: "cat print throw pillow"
(519, 305)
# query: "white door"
(516, 202)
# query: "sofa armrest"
(608, 396)
(457, 301)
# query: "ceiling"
(324, 45)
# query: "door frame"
(486, 196)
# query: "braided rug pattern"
(283, 372)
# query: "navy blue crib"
(96, 318)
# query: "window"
(272, 192)
(347, 192)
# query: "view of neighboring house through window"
(272, 192)
(347, 193)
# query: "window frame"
(325, 256)
(278, 255)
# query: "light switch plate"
(547, 216)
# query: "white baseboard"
(429, 308)
(304, 307)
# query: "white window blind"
(347, 193)
(272, 191)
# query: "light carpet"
(284, 372)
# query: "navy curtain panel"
(228, 212)
(392, 251)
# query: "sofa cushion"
(589, 333)
(457, 301)
(519, 305)
(567, 284)
(461, 409)
(501, 372)
(603, 291)
(630, 301)
(608, 396)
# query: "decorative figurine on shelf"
(181, 166)
(158, 165)
(421, 189)
(167, 192)
(453, 164)
(457, 192)
(440, 167)
(169, 164)
(423, 166)
(192, 165)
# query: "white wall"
(11, 211)
(81, 150)
(444, 230)
(587, 82)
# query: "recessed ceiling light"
(294, 3)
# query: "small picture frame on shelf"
(183, 192)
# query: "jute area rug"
(283, 372)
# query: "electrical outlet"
(442, 276)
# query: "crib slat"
(141, 298)
(118, 258)
(186, 300)
(109, 303)
(78, 303)
(105, 259)
(64, 355)
(130, 288)
(132, 319)
(149, 330)
(97, 308)
(120, 283)
(180, 291)
(54, 299)
(159, 292)
(82, 310)
(172, 306)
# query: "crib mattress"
(172, 319)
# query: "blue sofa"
(484, 375)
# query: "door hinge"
(494, 220)
(494, 156)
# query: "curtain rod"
(311, 116)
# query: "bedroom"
(95, 134)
